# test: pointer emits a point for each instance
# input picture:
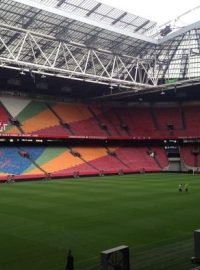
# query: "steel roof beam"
(96, 51)
(93, 9)
(142, 25)
(119, 18)
(60, 2)
(87, 64)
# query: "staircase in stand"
(62, 123)
(18, 125)
(78, 155)
(123, 126)
(33, 161)
(91, 165)
(114, 155)
(150, 150)
(157, 162)
(36, 165)
(100, 124)
(106, 115)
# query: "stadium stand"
(3, 115)
(78, 120)
(36, 118)
(168, 117)
(13, 162)
(137, 159)
(192, 114)
(86, 160)
(190, 155)
(138, 120)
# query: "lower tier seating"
(38, 162)
(190, 155)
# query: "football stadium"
(99, 138)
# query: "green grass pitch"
(39, 221)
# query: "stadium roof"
(90, 11)
(89, 41)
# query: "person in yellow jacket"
(186, 187)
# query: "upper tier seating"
(36, 118)
(192, 115)
(66, 119)
(168, 116)
(139, 121)
(3, 115)
(104, 120)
